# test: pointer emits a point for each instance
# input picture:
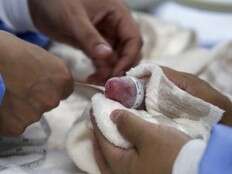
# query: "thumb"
(130, 126)
(90, 40)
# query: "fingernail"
(103, 50)
(115, 115)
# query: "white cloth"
(79, 64)
(189, 157)
(15, 14)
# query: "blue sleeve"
(217, 158)
(32, 37)
(2, 89)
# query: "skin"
(36, 81)
(104, 30)
(154, 150)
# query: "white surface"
(211, 27)
(191, 61)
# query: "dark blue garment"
(32, 37)
(218, 155)
(2, 89)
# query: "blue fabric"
(2, 89)
(218, 155)
(32, 37)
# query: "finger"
(131, 127)
(116, 158)
(130, 43)
(89, 39)
(102, 164)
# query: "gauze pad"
(103, 107)
(165, 97)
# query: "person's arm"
(15, 14)
(217, 157)
(199, 157)
(36, 82)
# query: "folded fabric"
(163, 96)
(103, 107)
(165, 104)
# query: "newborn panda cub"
(127, 90)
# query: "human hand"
(104, 30)
(155, 147)
(201, 89)
(35, 80)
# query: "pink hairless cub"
(128, 91)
